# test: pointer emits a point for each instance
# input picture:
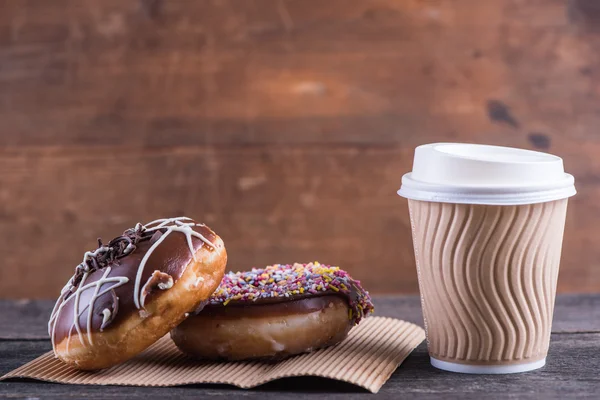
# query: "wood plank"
(571, 370)
(573, 313)
(349, 71)
(270, 205)
(27, 319)
(264, 105)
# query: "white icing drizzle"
(106, 314)
(180, 224)
(161, 286)
(165, 286)
(136, 288)
(98, 291)
(172, 225)
(90, 254)
(92, 301)
(130, 247)
(76, 313)
(53, 314)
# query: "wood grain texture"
(269, 71)
(284, 125)
(573, 313)
(285, 205)
(571, 370)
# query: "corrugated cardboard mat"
(366, 358)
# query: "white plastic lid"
(482, 174)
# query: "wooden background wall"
(284, 125)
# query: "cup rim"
(487, 195)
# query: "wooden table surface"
(571, 371)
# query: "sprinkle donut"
(275, 312)
(127, 294)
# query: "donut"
(275, 312)
(127, 294)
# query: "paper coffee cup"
(487, 226)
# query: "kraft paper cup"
(487, 226)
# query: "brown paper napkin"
(367, 358)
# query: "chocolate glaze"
(295, 302)
(304, 305)
(171, 257)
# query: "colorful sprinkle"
(289, 281)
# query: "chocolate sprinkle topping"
(117, 248)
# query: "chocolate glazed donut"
(127, 294)
(274, 313)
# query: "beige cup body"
(487, 276)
